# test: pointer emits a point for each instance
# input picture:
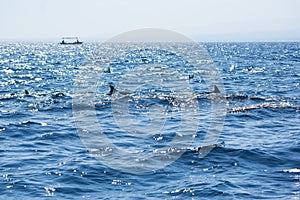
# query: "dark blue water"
(257, 155)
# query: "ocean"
(46, 153)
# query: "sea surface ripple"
(256, 157)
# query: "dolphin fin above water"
(114, 90)
(216, 90)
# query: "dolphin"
(54, 94)
(114, 90)
(216, 90)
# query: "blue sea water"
(257, 155)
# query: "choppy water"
(257, 155)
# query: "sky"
(201, 20)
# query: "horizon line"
(101, 39)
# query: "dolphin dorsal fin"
(216, 90)
(112, 90)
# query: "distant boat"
(70, 40)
